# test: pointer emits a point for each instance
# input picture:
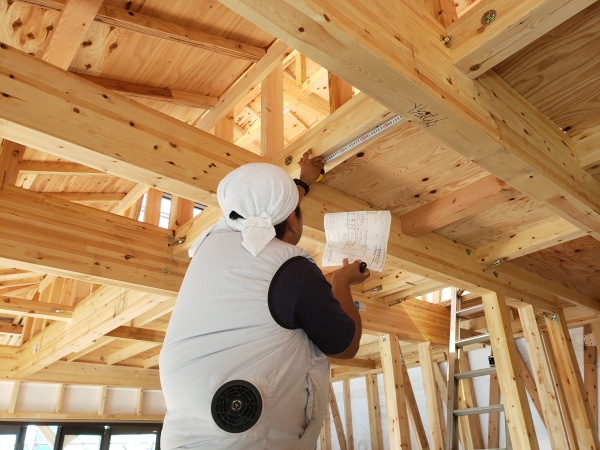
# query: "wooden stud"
(348, 414)
(432, 398)
(140, 399)
(543, 379)
(325, 436)
(560, 390)
(101, 400)
(578, 405)
(59, 398)
(393, 381)
(590, 375)
(494, 418)
(271, 117)
(12, 403)
(516, 405)
(374, 412)
(531, 388)
(413, 411)
(337, 421)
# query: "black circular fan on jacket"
(236, 406)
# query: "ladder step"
(471, 310)
(479, 410)
(473, 340)
(475, 373)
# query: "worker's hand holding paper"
(357, 235)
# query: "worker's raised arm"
(310, 171)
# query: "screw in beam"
(488, 17)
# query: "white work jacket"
(222, 330)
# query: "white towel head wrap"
(264, 195)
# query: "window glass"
(133, 442)
(40, 437)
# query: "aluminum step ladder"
(455, 352)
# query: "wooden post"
(325, 436)
(543, 379)
(374, 412)
(348, 414)
(413, 412)
(432, 398)
(224, 127)
(578, 404)
(11, 155)
(340, 92)
(153, 201)
(271, 116)
(182, 211)
(516, 405)
(393, 381)
(300, 68)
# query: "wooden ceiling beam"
(587, 145)
(11, 155)
(6, 328)
(85, 243)
(137, 334)
(145, 92)
(162, 29)
(477, 45)
(398, 59)
(467, 201)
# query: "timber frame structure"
(492, 177)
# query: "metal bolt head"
(446, 40)
(288, 160)
(166, 271)
(468, 251)
(170, 237)
(488, 17)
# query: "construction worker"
(244, 364)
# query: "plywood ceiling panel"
(575, 263)
(560, 72)
(501, 221)
(404, 170)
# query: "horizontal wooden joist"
(31, 308)
(56, 168)
(397, 58)
(140, 23)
